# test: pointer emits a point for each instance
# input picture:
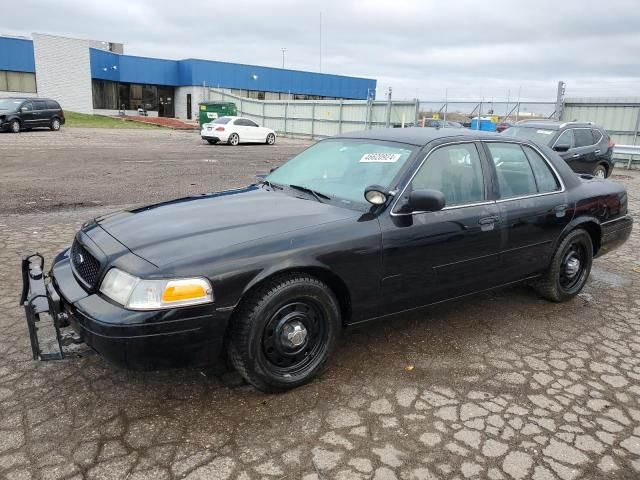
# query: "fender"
(591, 224)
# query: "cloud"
(467, 48)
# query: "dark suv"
(26, 113)
(586, 147)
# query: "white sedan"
(235, 130)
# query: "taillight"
(220, 129)
(611, 143)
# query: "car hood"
(168, 232)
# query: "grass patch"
(74, 119)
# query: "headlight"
(137, 294)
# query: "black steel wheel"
(234, 139)
(271, 139)
(14, 126)
(283, 334)
(569, 268)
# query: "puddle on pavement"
(612, 279)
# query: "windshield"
(9, 104)
(222, 120)
(342, 168)
(540, 135)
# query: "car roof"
(551, 124)
(417, 135)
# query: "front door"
(28, 119)
(533, 205)
(432, 256)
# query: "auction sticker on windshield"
(380, 158)
(545, 132)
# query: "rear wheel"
(14, 126)
(284, 333)
(271, 139)
(600, 171)
(569, 268)
(212, 141)
(55, 124)
(234, 139)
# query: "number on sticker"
(380, 158)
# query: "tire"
(566, 278)
(600, 171)
(211, 141)
(271, 139)
(55, 124)
(283, 334)
(14, 126)
(234, 139)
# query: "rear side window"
(546, 181)
(515, 177)
(597, 136)
(583, 137)
(51, 105)
(565, 138)
(222, 120)
(39, 105)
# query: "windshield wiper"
(318, 196)
(273, 186)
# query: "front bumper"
(136, 340)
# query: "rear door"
(581, 158)
(41, 114)
(534, 208)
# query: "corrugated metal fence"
(322, 118)
(619, 116)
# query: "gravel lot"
(501, 385)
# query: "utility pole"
(320, 42)
(283, 49)
(388, 122)
(559, 101)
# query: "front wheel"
(14, 126)
(271, 139)
(55, 125)
(600, 171)
(234, 139)
(569, 268)
(283, 334)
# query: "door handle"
(596, 151)
(488, 220)
(575, 155)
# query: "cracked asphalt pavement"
(503, 385)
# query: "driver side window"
(454, 170)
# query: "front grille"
(85, 265)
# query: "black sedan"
(357, 227)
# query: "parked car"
(357, 227)
(236, 130)
(442, 124)
(586, 147)
(502, 126)
(26, 113)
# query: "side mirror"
(562, 147)
(24, 109)
(425, 201)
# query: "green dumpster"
(209, 111)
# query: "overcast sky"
(420, 48)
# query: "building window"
(17, 82)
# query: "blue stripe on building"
(16, 55)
